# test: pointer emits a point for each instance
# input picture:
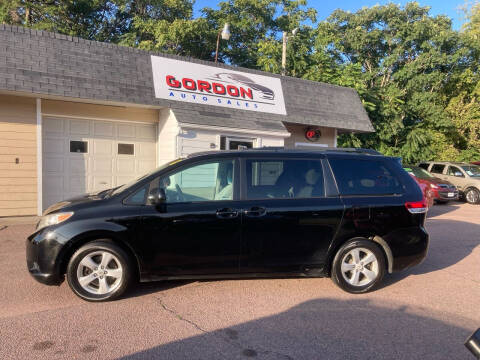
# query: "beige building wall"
(167, 136)
(18, 139)
(328, 137)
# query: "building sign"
(312, 134)
(201, 84)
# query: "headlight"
(433, 186)
(53, 219)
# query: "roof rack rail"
(336, 149)
(281, 148)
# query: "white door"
(81, 156)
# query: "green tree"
(256, 27)
(89, 19)
(406, 56)
(168, 26)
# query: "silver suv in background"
(466, 177)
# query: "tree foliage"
(418, 78)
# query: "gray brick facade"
(56, 65)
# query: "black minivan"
(348, 214)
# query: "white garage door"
(81, 156)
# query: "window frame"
(445, 167)
(125, 143)
(386, 164)
(236, 179)
(244, 174)
(78, 141)
(455, 167)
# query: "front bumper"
(443, 195)
(42, 254)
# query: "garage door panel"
(146, 132)
(146, 150)
(77, 165)
(145, 166)
(125, 166)
(126, 131)
(77, 185)
(101, 182)
(79, 127)
(53, 146)
(53, 164)
(100, 166)
(101, 128)
(103, 147)
(53, 126)
(120, 180)
(53, 183)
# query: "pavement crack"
(3, 227)
(228, 336)
(180, 317)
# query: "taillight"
(417, 207)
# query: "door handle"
(256, 211)
(227, 213)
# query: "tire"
(105, 268)
(472, 196)
(362, 277)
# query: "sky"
(325, 7)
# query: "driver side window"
(455, 171)
(207, 181)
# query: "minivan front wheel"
(358, 266)
(99, 271)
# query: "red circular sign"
(312, 134)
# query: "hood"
(437, 181)
(83, 199)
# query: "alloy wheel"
(359, 267)
(473, 196)
(99, 272)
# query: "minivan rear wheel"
(472, 196)
(99, 271)
(358, 266)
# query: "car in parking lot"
(348, 214)
(466, 177)
(438, 190)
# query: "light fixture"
(226, 31)
(285, 38)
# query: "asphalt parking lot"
(424, 313)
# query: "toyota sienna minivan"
(348, 214)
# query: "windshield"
(124, 187)
(418, 172)
(472, 170)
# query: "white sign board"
(201, 84)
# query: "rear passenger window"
(272, 179)
(364, 177)
(437, 169)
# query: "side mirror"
(158, 197)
